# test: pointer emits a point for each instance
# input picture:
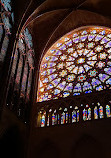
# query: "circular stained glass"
(79, 62)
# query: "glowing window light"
(82, 64)
(76, 107)
(53, 119)
(77, 115)
(65, 109)
(101, 115)
(73, 116)
(63, 118)
(85, 114)
(95, 112)
(43, 119)
(39, 119)
(89, 114)
(81, 61)
(108, 113)
(66, 117)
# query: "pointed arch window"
(63, 118)
(95, 112)
(75, 115)
(84, 114)
(67, 116)
(24, 47)
(87, 113)
(74, 64)
(53, 119)
(108, 112)
(43, 117)
(101, 115)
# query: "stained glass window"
(66, 117)
(7, 17)
(24, 47)
(7, 4)
(29, 83)
(89, 114)
(14, 63)
(73, 116)
(24, 79)
(63, 118)
(101, 112)
(30, 55)
(108, 113)
(96, 112)
(28, 38)
(53, 119)
(1, 32)
(21, 45)
(85, 114)
(19, 70)
(4, 48)
(77, 115)
(43, 119)
(79, 62)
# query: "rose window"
(79, 62)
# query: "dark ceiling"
(54, 18)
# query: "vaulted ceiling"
(52, 19)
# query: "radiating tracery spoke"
(77, 63)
